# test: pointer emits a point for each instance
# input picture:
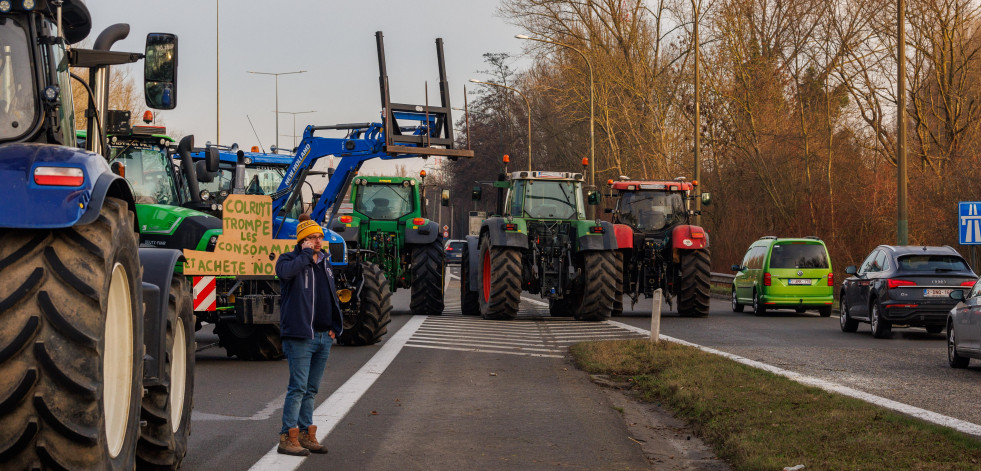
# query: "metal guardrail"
(722, 279)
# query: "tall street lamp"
(592, 140)
(277, 74)
(527, 104)
(902, 217)
(294, 113)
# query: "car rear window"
(798, 256)
(932, 263)
(458, 245)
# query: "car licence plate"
(936, 293)
(799, 281)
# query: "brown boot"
(309, 441)
(289, 444)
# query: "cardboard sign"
(245, 246)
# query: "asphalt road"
(469, 393)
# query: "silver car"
(964, 327)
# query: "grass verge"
(756, 420)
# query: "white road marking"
(331, 411)
(266, 412)
(416, 340)
(923, 414)
(466, 338)
(478, 350)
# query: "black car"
(454, 250)
(903, 285)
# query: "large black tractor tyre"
(167, 407)
(618, 293)
(71, 345)
(428, 267)
(251, 342)
(370, 322)
(499, 281)
(696, 283)
(468, 294)
(594, 300)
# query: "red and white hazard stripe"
(204, 293)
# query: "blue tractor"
(96, 343)
(406, 131)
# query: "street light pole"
(277, 74)
(294, 113)
(527, 104)
(698, 120)
(592, 139)
(902, 223)
(217, 81)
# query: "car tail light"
(59, 176)
(418, 221)
(766, 279)
(831, 279)
(967, 283)
(346, 219)
(596, 229)
(897, 283)
(902, 306)
(449, 249)
(697, 235)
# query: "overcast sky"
(332, 40)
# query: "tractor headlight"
(405, 183)
(248, 160)
(51, 93)
(28, 5)
(214, 207)
(5, 6)
(205, 195)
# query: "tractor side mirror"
(203, 175)
(211, 160)
(706, 199)
(736, 267)
(444, 198)
(957, 294)
(160, 71)
(851, 270)
(593, 198)
(118, 168)
(475, 193)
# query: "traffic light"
(475, 193)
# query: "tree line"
(798, 111)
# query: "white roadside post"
(656, 316)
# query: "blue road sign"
(970, 222)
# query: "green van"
(784, 274)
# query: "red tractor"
(658, 247)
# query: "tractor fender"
(29, 205)
(158, 269)
(624, 235)
(689, 237)
(424, 234)
(473, 252)
(494, 227)
(605, 241)
(350, 232)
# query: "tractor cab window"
(18, 98)
(652, 210)
(263, 180)
(148, 171)
(380, 201)
(548, 199)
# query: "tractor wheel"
(427, 279)
(252, 342)
(468, 295)
(370, 322)
(594, 301)
(167, 407)
(499, 281)
(696, 286)
(618, 294)
(71, 345)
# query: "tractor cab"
(651, 206)
(387, 198)
(142, 158)
(545, 195)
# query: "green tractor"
(542, 243)
(388, 225)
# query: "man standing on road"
(310, 320)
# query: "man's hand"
(307, 244)
(332, 334)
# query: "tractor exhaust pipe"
(99, 81)
(187, 165)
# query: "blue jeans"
(307, 359)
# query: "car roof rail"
(768, 237)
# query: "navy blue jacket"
(308, 299)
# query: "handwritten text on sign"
(245, 246)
